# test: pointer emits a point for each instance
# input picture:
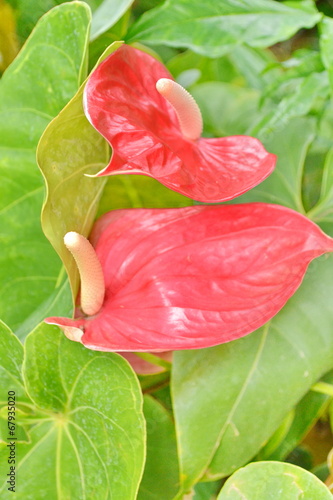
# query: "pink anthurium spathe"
(154, 127)
(187, 278)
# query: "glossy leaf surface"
(310, 408)
(88, 439)
(107, 14)
(32, 91)
(254, 382)
(213, 28)
(122, 103)
(11, 384)
(161, 475)
(274, 481)
(169, 287)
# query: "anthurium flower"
(168, 279)
(154, 127)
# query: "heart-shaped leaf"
(88, 439)
(274, 480)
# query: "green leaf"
(69, 148)
(239, 105)
(214, 28)
(198, 69)
(253, 382)
(137, 191)
(161, 475)
(299, 103)
(89, 439)
(107, 14)
(258, 66)
(322, 212)
(273, 481)
(11, 384)
(58, 303)
(306, 413)
(326, 46)
(43, 77)
(284, 185)
(207, 491)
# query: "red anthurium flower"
(168, 279)
(154, 127)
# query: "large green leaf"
(305, 415)
(41, 80)
(105, 13)
(69, 148)
(161, 476)
(88, 441)
(274, 481)
(213, 28)
(253, 382)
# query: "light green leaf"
(207, 491)
(326, 46)
(69, 148)
(273, 481)
(305, 415)
(322, 212)
(89, 439)
(11, 384)
(137, 191)
(107, 14)
(309, 89)
(253, 382)
(214, 28)
(284, 185)
(161, 475)
(226, 109)
(258, 66)
(41, 80)
(201, 69)
(58, 303)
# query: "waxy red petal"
(122, 103)
(196, 276)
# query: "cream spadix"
(187, 110)
(91, 273)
